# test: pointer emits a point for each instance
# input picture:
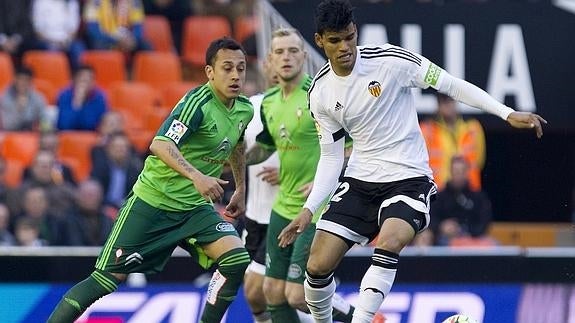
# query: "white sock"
(319, 298)
(375, 285)
(340, 304)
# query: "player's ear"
(209, 72)
(317, 38)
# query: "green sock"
(343, 317)
(225, 284)
(82, 295)
(283, 313)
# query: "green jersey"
(205, 132)
(290, 129)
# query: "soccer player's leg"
(278, 261)
(327, 250)
(115, 261)
(403, 215)
(217, 241)
(255, 242)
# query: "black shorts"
(357, 208)
(256, 240)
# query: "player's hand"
(292, 230)
(270, 175)
(526, 120)
(209, 187)
(237, 205)
(306, 189)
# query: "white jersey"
(375, 106)
(261, 194)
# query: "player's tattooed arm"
(169, 153)
(257, 154)
(238, 164)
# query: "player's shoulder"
(378, 54)
(319, 78)
(270, 93)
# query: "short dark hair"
(221, 43)
(83, 67)
(333, 15)
(24, 70)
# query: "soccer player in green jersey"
(290, 130)
(171, 203)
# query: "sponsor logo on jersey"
(374, 88)
(225, 227)
(338, 106)
(241, 126)
(134, 258)
(176, 131)
(432, 74)
(299, 113)
(214, 128)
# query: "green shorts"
(287, 263)
(144, 237)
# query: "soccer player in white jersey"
(262, 190)
(388, 185)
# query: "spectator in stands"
(6, 237)
(27, 232)
(43, 173)
(88, 225)
(49, 141)
(448, 135)
(22, 108)
(35, 206)
(459, 211)
(16, 31)
(176, 11)
(115, 24)
(112, 122)
(117, 170)
(82, 104)
(56, 23)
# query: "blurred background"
(85, 84)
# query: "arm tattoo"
(177, 156)
(238, 164)
(257, 154)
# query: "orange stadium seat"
(155, 119)
(244, 27)
(20, 146)
(47, 89)
(198, 33)
(132, 96)
(157, 31)
(157, 68)
(50, 66)
(6, 70)
(141, 140)
(13, 173)
(173, 92)
(109, 66)
(74, 149)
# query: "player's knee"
(274, 291)
(296, 299)
(317, 267)
(391, 243)
(253, 291)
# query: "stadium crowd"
(81, 97)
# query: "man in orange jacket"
(448, 135)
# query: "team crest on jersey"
(241, 125)
(176, 131)
(374, 88)
(224, 146)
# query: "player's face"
(340, 48)
(287, 57)
(228, 74)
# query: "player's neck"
(288, 87)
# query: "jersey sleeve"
(264, 138)
(185, 118)
(328, 129)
